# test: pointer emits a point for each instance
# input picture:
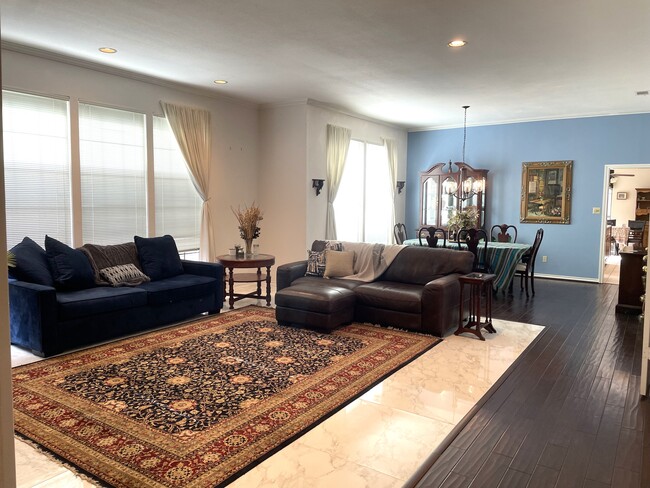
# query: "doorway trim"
(603, 212)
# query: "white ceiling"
(384, 59)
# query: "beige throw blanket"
(370, 260)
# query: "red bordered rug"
(199, 404)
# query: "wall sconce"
(318, 184)
(400, 186)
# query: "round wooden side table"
(479, 284)
(258, 261)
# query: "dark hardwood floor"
(570, 413)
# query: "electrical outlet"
(544, 259)
(595, 210)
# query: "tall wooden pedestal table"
(258, 261)
(479, 284)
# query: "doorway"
(620, 201)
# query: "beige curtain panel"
(191, 127)
(391, 150)
(338, 142)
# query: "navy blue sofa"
(49, 320)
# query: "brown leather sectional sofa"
(419, 291)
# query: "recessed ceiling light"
(457, 43)
(107, 50)
(220, 82)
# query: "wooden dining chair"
(526, 267)
(432, 235)
(472, 238)
(635, 233)
(502, 234)
(400, 233)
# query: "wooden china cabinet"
(437, 206)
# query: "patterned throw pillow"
(316, 260)
(123, 275)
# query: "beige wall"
(292, 153)
(7, 458)
(369, 131)
(282, 182)
(268, 155)
(233, 176)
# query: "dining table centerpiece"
(248, 219)
(464, 219)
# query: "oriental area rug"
(198, 404)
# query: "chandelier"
(468, 186)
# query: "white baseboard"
(566, 278)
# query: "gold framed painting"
(546, 192)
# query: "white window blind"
(178, 206)
(363, 205)
(113, 167)
(37, 167)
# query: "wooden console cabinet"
(631, 285)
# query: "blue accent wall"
(573, 249)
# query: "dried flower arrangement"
(464, 219)
(248, 220)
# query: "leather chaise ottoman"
(314, 305)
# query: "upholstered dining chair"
(635, 233)
(472, 238)
(526, 267)
(400, 233)
(432, 236)
(502, 234)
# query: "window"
(363, 205)
(113, 168)
(37, 167)
(178, 206)
(113, 182)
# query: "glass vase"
(249, 247)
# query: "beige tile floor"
(376, 441)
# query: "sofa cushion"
(178, 288)
(349, 284)
(31, 263)
(420, 265)
(70, 268)
(158, 257)
(400, 297)
(323, 299)
(98, 300)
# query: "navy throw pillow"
(158, 257)
(70, 268)
(31, 263)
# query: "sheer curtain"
(338, 141)
(391, 150)
(191, 128)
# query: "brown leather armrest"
(287, 273)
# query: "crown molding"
(525, 121)
(123, 73)
(330, 107)
(351, 113)
(286, 103)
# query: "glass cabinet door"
(436, 206)
(430, 189)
